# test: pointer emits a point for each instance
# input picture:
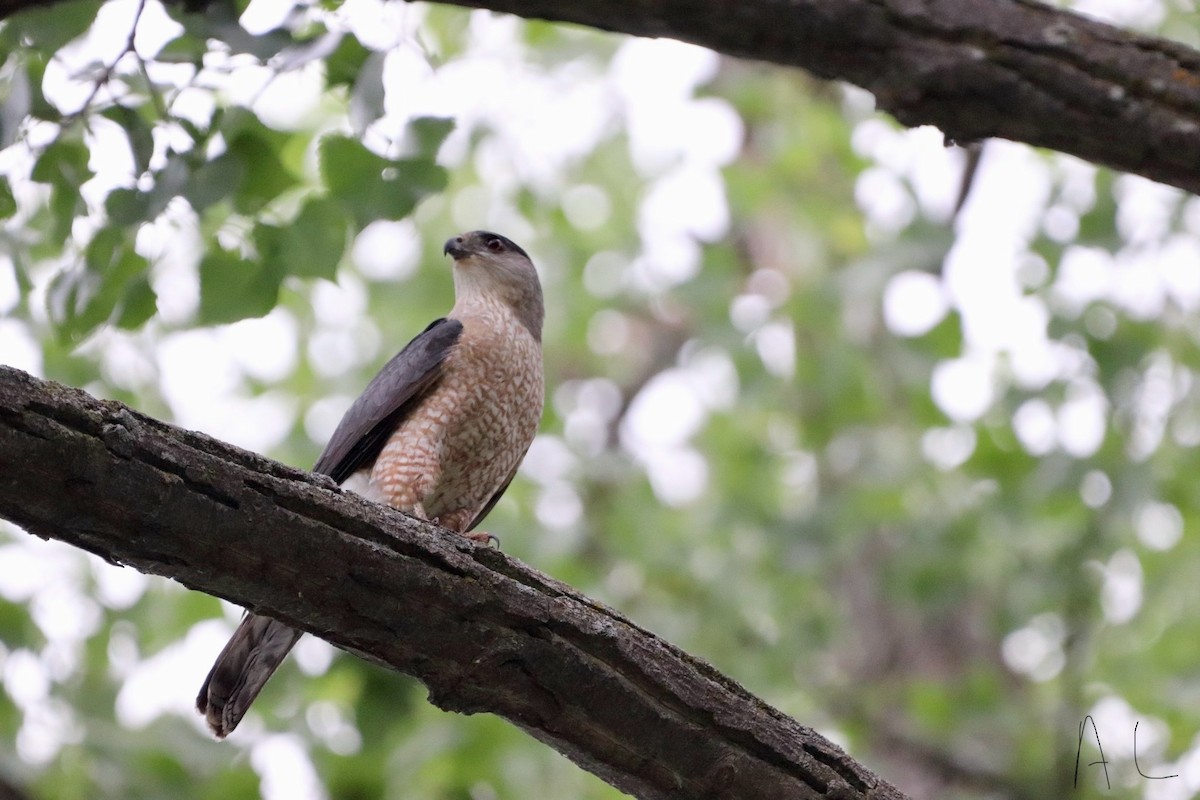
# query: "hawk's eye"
(495, 245)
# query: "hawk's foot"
(484, 538)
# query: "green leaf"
(233, 288)
(138, 304)
(185, 49)
(34, 69)
(104, 251)
(141, 139)
(169, 183)
(344, 63)
(220, 22)
(8, 203)
(264, 175)
(83, 298)
(63, 165)
(131, 206)
(48, 28)
(126, 206)
(268, 242)
(312, 246)
(426, 134)
(214, 181)
(370, 187)
(65, 205)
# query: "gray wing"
(388, 399)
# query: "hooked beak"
(455, 248)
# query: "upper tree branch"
(976, 68)
(481, 630)
(1013, 69)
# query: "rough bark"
(481, 630)
(1013, 69)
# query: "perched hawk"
(439, 433)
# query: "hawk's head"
(490, 267)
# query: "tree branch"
(481, 630)
(1013, 69)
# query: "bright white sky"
(544, 120)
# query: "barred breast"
(465, 440)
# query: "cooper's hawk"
(439, 432)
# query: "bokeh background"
(923, 477)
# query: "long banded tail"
(253, 653)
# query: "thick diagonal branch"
(481, 630)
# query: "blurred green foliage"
(939, 595)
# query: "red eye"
(495, 245)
